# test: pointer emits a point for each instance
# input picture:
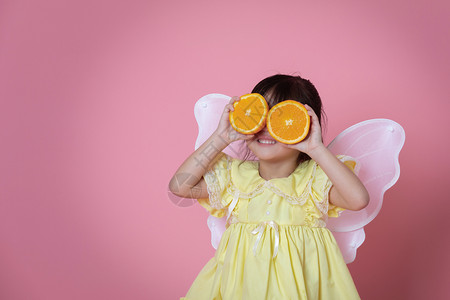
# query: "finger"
(309, 110)
(229, 107)
(315, 119)
(311, 113)
(233, 99)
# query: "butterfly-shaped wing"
(208, 111)
(376, 145)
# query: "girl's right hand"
(225, 130)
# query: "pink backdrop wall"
(96, 115)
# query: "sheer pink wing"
(208, 111)
(376, 145)
(349, 242)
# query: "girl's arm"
(188, 180)
(347, 191)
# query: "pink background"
(96, 115)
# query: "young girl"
(276, 245)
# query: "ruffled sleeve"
(217, 179)
(321, 185)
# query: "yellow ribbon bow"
(260, 229)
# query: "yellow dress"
(276, 245)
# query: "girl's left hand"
(314, 138)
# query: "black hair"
(280, 87)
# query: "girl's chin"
(267, 152)
(270, 151)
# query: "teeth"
(266, 142)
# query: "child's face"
(265, 147)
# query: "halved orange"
(288, 122)
(249, 115)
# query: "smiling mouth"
(265, 141)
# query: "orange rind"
(249, 115)
(288, 122)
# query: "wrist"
(317, 152)
(220, 140)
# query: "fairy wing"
(376, 145)
(208, 111)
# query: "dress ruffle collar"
(246, 178)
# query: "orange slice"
(288, 122)
(249, 115)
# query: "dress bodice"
(235, 187)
